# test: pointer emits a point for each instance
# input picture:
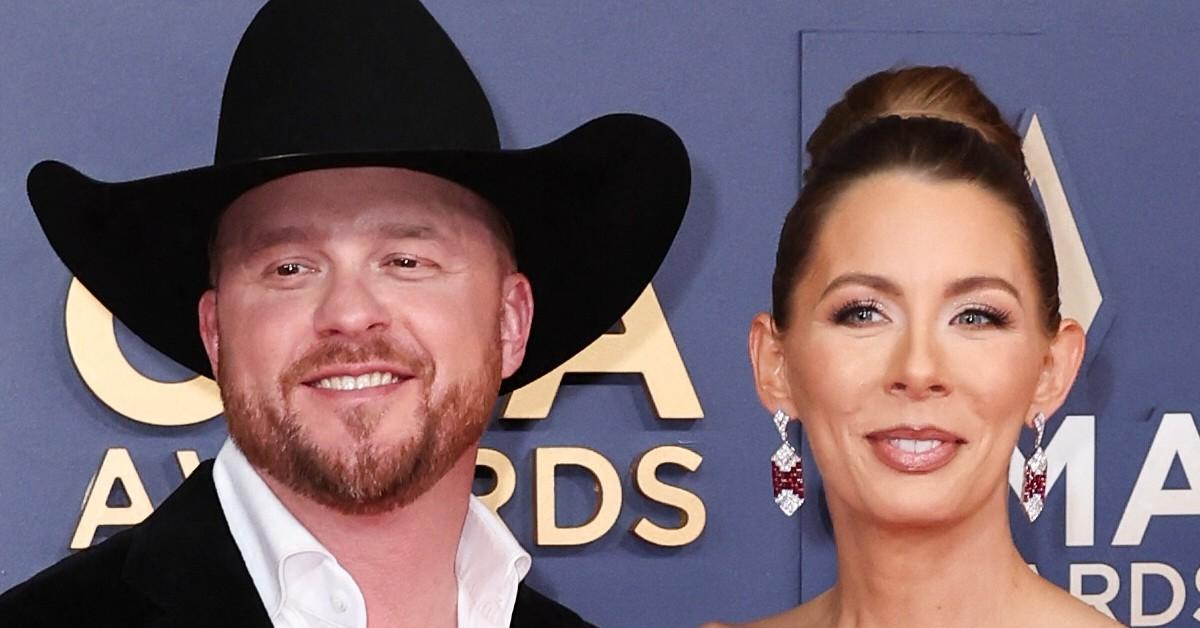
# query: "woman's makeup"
(915, 449)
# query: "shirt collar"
(266, 532)
(487, 551)
(489, 558)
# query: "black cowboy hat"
(317, 84)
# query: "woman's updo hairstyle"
(930, 121)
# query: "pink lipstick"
(915, 449)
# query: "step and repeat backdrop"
(638, 474)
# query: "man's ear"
(769, 365)
(516, 318)
(210, 332)
(1059, 368)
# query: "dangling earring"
(1033, 489)
(787, 470)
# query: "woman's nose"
(917, 370)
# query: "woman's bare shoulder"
(1060, 609)
(1078, 614)
(1064, 609)
(814, 612)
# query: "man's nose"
(917, 369)
(350, 306)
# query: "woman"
(915, 330)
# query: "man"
(363, 263)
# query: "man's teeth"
(366, 380)
(913, 446)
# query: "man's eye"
(404, 262)
(289, 269)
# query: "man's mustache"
(410, 360)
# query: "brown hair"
(933, 121)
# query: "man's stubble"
(371, 478)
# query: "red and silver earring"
(787, 470)
(1033, 489)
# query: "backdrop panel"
(130, 89)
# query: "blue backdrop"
(130, 89)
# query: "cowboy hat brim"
(593, 214)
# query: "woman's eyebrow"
(980, 282)
(876, 282)
(957, 288)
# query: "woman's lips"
(915, 449)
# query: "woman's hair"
(931, 121)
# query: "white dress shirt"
(302, 585)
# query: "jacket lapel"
(534, 610)
(184, 559)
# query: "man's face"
(361, 323)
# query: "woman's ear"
(769, 365)
(1059, 367)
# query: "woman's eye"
(976, 317)
(859, 315)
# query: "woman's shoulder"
(1055, 605)
(1060, 608)
(814, 612)
(1075, 613)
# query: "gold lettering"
(117, 465)
(93, 345)
(646, 347)
(188, 460)
(608, 496)
(1078, 288)
(506, 477)
(692, 515)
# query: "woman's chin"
(913, 519)
(913, 509)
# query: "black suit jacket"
(180, 567)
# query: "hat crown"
(312, 76)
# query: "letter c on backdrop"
(92, 341)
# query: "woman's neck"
(961, 573)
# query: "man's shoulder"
(86, 588)
(181, 562)
(534, 609)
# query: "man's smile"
(341, 379)
(349, 382)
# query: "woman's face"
(915, 349)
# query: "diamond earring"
(787, 470)
(1033, 489)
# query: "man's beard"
(370, 478)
